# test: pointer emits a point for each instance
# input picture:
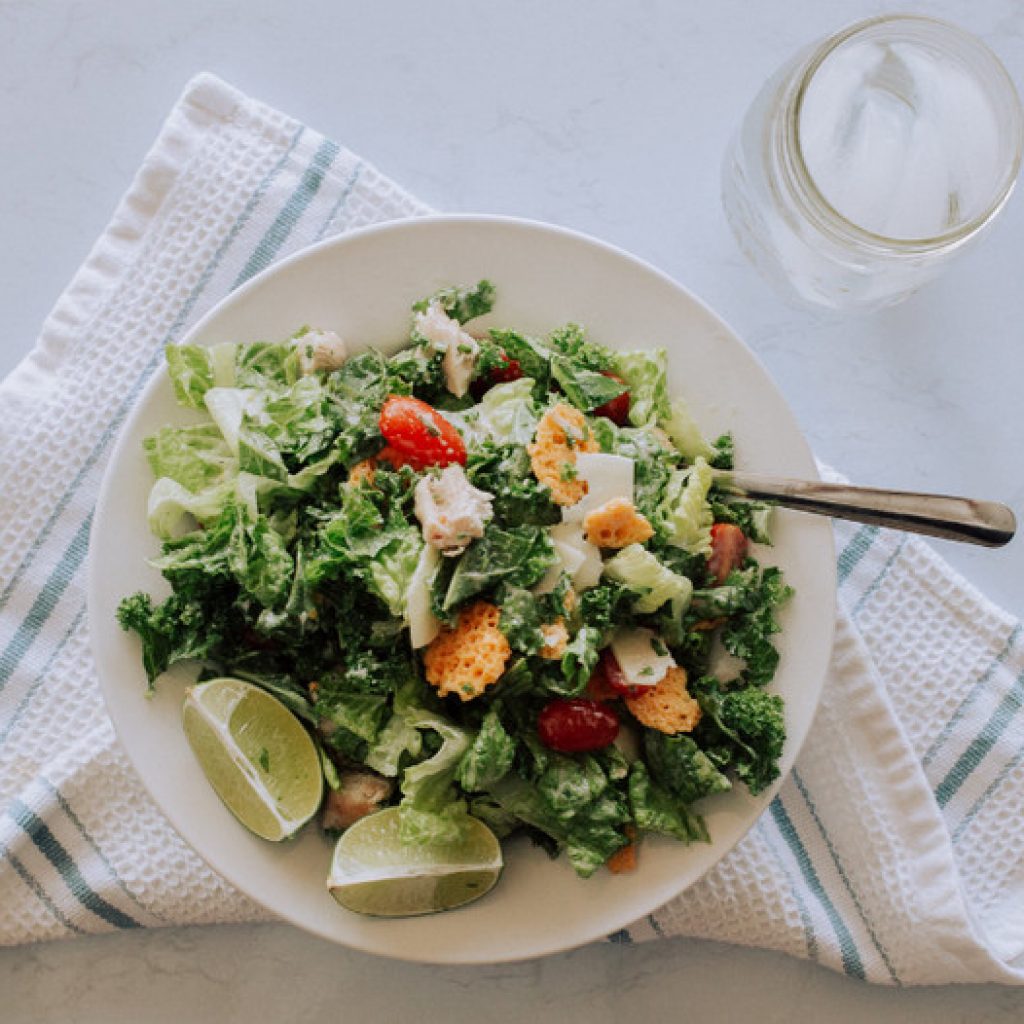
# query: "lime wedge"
(259, 759)
(374, 872)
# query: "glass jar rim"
(825, 215)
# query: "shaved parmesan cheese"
(579, 558)
(606, 476)
(636, 650)
(423, 624)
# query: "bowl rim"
(194, 334)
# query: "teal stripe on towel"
(40, 894)
(855, 551)
(847, 884)
(981, 744)
(52, 850)
(278, 232)
(29, 627)
(852, 963)
(972, 696)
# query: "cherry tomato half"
(728, 549)
(419, 434)
(572, 726)
(614, 678)
(616, 410)
(508, 371)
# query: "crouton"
(561, 434)
(616, 524)
(667, 706)
(472, 656)
(363, 472)
(556, 639)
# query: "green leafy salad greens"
(286, 573)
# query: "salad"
(490, 574)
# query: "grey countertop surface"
(610, 118)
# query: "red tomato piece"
(728, 549)
(616, 410)
(572, 726)
(508, 371)
(419, 434)
(615, 678)
(397, 460)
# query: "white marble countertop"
(607, 117)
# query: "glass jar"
(870, 159)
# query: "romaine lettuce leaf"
(169, 503)
(681, 768)
(518, 556)
(686, 510)
(585, 389)
(646, 374)
(636, 568)
(431, 810)
(195, 457)
(573, 802)
(508, 414)
(655, 810)
(489, 757)
(685, 434)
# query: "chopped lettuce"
(686, 510)
(585, 389)
(681, 768)
(645, 373)
(489, 757)
(685, 434)
(657, 810)
(431, 809)
(518, 556)
(321, 590)
(508, 414)
(653, 583)
(195, 457)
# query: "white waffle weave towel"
(894, 853)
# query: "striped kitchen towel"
(894, 853)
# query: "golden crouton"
(561, 433)
(668, 706)
(363, 472)
(469, 658)
(556, 639)
(615, 524)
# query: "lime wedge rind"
(243, 764)
(224, 717)
(373, 872)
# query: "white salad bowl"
(362, 285)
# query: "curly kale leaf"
(504, 471)
(743, 729)
(181, 628)
(461, 304)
